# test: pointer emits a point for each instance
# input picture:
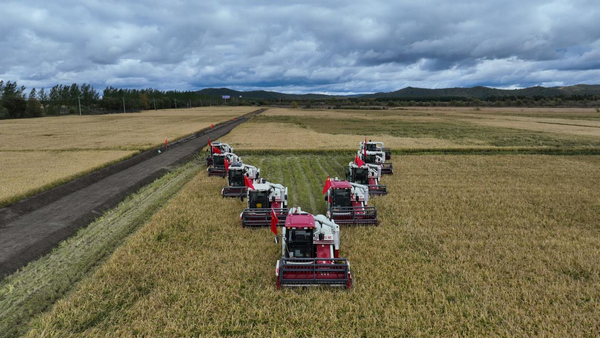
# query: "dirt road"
(32, 227)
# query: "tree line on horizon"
(16, 102)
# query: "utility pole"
(154, 103)
(124, 105)
(79, 104)
(175, 103)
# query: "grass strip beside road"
(38, 285)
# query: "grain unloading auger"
(216, 148)
(221, 163)
(265, 199)
(236, 179)
(375, 146)
(347, 203)
(366, 174)
(310, 252)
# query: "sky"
(336, 46)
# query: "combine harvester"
(376, 146)
(221, 163)
(266, 201)
(376, 158)
(216, 148)
(236, 179)
(310, 246)
(347, 203)
(366, 174)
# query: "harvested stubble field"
(475, 245)
(419, 129)
(44, 152)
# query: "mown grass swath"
(474, 245)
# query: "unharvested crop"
(475, 245)
(37, 154)
(414, 129)
(135, 131)
(25, 173)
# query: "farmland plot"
(474, 245)
(432, 129)
(38, 154)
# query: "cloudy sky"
(336, 46)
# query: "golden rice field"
(469, 245)
(421, 129)
(133, 131)
(24, 173)
(44, 152)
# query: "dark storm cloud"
(338, 46)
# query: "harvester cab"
(310, 252)
(221, 163)
(367, 174)
(376, 146)
(377, 158)
(263, 199)
(236, 184)
(216, 148)
(347, 203)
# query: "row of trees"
(18, 104)
(15, 102)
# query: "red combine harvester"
(221, 164)
(347, 203)
(310, 246)
(366, 174)
(216, 148)
(236, 181)
(376, 146)
(264, 200)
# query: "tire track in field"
(301, 188)
(302, 165)
(317, 180)
(340, 167)
(287, 181)
(335, 169)
(275, 170)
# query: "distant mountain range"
(259, 94)
(420, 93)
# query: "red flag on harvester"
(274, 222)
(358, 161)
(327, 185)
(166, 143)
(248, 183)
(226, 165)
(216, 150)
(209, 144)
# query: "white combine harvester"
(368, 175)
(236, 183)
(221, 163)
(264, 199)
(216, 148)
(375, 146)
